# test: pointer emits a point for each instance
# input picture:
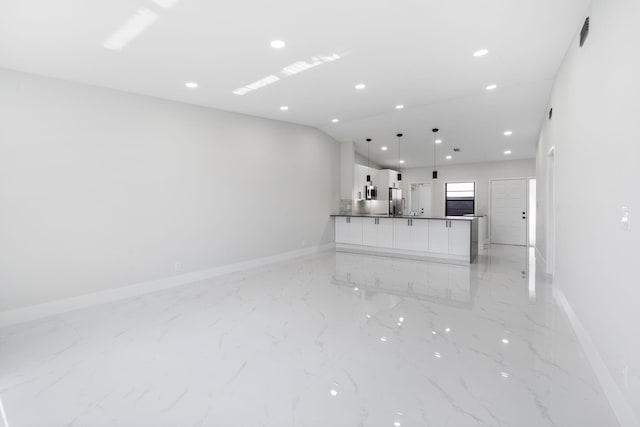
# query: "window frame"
(446, 199)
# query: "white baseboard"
(34, 312)
(621, 407)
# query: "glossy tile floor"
(331, 339)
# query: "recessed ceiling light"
(360, 86)
(278, 44)
(508, 133)
(384, 148)
(399, 107)
(492, 87)
(191, 85)
(505, 341)
(481, 52)
(448, 157)
(401, 161)
(437, 354)
(284, 108)
(333, 392)
(507, 152)
(438, 141)
(335, 120)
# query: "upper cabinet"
(382, 180)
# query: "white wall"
(100, 188)
(480, 173)
(596, 134)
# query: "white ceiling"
(418, 53)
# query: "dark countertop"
(455, 218)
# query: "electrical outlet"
(626, 218)
(177, 267)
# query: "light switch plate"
(626, 218)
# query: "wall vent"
(550, 113)
(457, 150)
(584, 33)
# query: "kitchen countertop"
(455, 218)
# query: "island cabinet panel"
(438, 236)
(370, 231)
(377, 232)
(402, 234)
(411, 234)
(440, 239)
(420, 235)
(460, 238)
(385, 233)
(348, 230)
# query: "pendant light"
(369, 182)
(434, 174)
(399, 158)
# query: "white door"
(421, 198)
(509, 212)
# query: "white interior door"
(509, 211)
(421, 195)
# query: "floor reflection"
(445, 284)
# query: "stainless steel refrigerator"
(396, 202)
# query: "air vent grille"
(584, 33)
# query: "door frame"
(490, 214)
(425, 183)
(459, 181)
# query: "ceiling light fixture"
(434, 174)
(507, 152)
(508, 133)
(399, 161)
(278, 44)
(360, 86)
(191, 85)
(492, 87)
(402, 161)
(481, 52)
(448, 157)
(284, 108)
(335, 120)
(438, 141)
(399, 107)
(384, 148)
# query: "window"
(460, 198)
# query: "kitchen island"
(448, 239)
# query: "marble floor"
(332, 339)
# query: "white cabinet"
(402, 234)
(348, 230)
(370, 231)
(438, 236)
(411, 234)
(377, 232)
(460, 238)
(386, 179)
(385, 233)
(360, 173)
(450, 237)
